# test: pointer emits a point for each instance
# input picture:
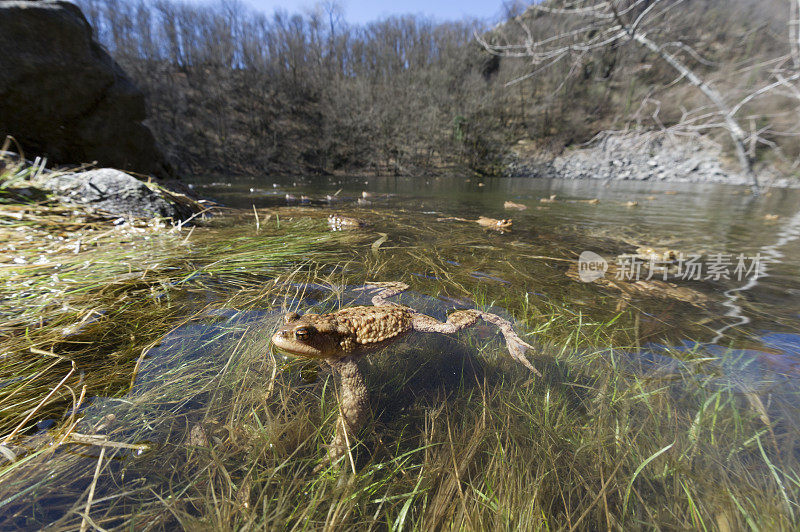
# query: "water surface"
(213, 419)
(706, 220)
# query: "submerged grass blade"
(639, 470)
(777, 478)
(216, 431)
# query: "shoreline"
(653, 157)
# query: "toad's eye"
(303, 333)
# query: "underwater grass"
(459, 440)
(101, 304)
(214, 434)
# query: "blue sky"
(360, 11)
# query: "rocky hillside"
(738, 47)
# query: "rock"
(113, 192)
(63, 97)
(650, 155)
(643, 155)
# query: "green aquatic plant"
(101, 297)
(208, 428)
(232, 438)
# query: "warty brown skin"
(350, 331)
(341, 223)
(340, 338)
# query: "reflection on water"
(772, 255)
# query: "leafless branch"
(611, 23)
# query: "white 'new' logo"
(591, 266)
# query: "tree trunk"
(735, 131)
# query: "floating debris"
(514, 206)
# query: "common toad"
(647, 253)
(343, 223)
(634, 287)
(493, 223)
(340, 338)
(515, 206)
(484, 221)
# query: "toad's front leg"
(353, 405)
(462, 319)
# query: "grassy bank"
(67, 272)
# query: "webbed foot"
(516, 348)
(516, 345)
(462, 319)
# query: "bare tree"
(231, 89)
(591, 26)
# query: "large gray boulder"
(114, 192)
(61, 94)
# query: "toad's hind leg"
(384, 291)
(353, 405)
(462, 319)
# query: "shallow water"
(763, 312)
(204, 383)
